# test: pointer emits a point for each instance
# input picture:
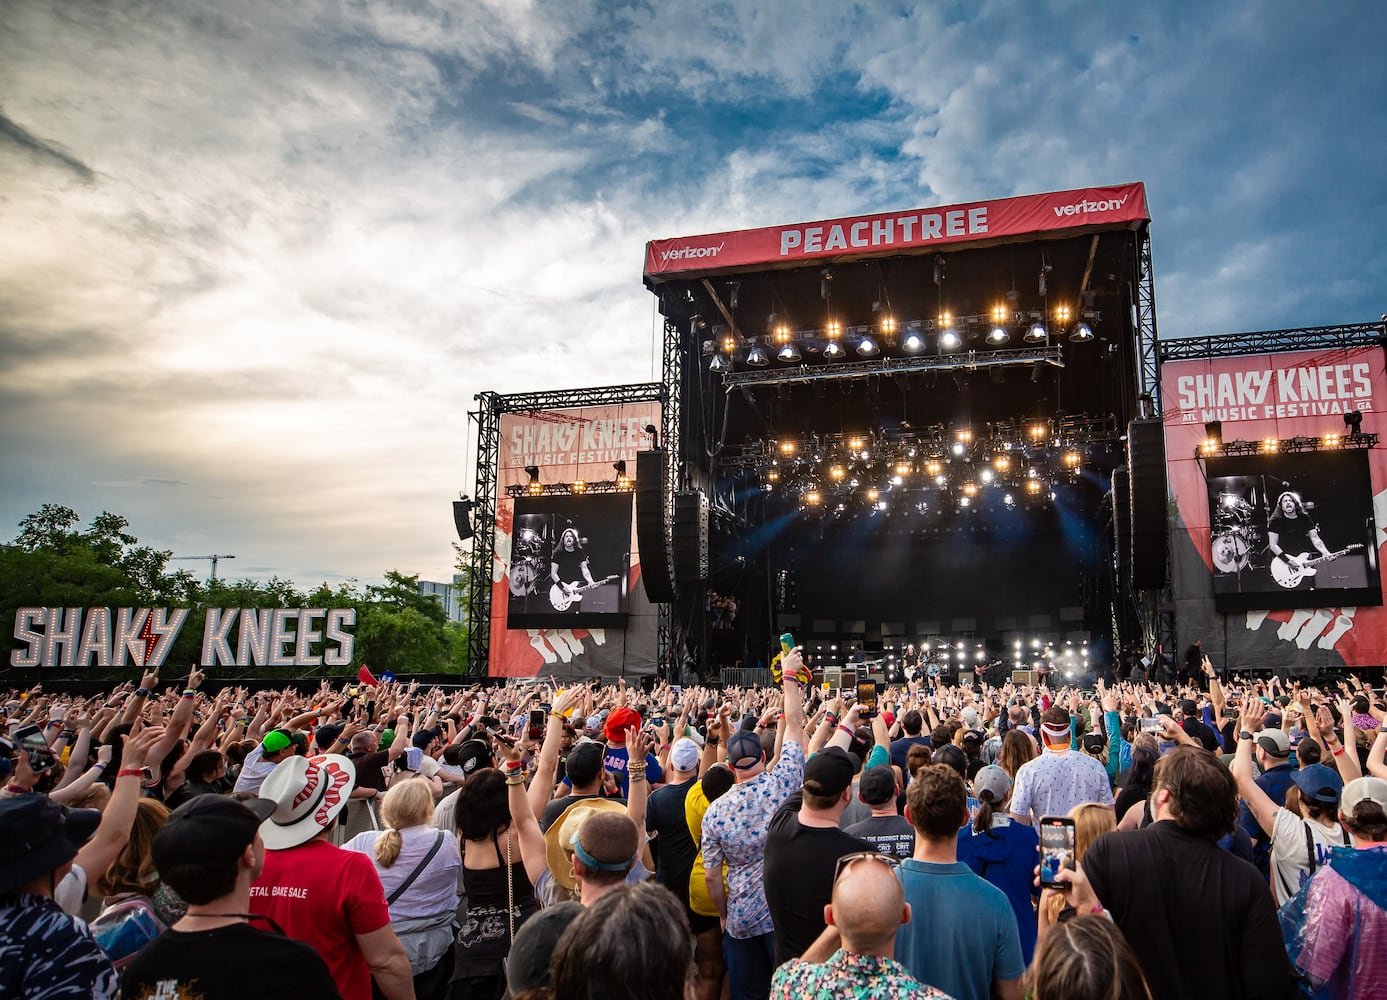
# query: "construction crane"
(216, 558)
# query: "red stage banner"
(567, 446)
(1060, 212)
(1271, 398)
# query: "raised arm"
(1258, 802)
(118, 817)
(542, 783)
(1345, 757)
(526, 826)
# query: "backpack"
(126, 924)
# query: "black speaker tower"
(1149, 511)
(650, 526)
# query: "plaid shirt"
(845, 974)
(734, 831)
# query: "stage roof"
(1056, 215)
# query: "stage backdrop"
(1230, 590)
(608, 630)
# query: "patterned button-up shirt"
(1055, 783)
(734, 831)
(46, 953)
(859, 977)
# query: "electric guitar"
(563, 598)
(1289, 577)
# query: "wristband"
(100, 764)
(845, 729)
(141, 692)
(714, 740)
(130, 772)
(190, 693)
(510, 765)
(1339, 752)
(518, 779)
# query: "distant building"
(453, 596)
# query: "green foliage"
(52, 563)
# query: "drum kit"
(1237, 540)
(527, 564)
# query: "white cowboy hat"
(308, 792)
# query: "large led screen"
(1292, 531)
(570, 559)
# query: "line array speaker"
(1150, 519)
(689, 544)
(650, 526)
(1122, 521)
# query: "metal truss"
(1292, 446)
(487, 417)
(963, 361)
(1148, 342)
(667, 657)
(570, 489)
(1313, 338)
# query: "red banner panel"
(1060, 212)
(560, 632)
(1276, 553)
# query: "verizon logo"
(1080, 207)
(691, 253)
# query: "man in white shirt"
(1059, 779)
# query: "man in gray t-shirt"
(885, 829)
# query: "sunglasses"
(849, 859)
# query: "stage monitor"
(1292, 531)
(570, 561)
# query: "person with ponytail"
(1001, 851)
(418, 867)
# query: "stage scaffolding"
(487, 417)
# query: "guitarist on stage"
(1291, 532)
(568, 567)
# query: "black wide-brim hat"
(39, 836)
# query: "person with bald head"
(853, 956)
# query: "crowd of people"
(1228, 837)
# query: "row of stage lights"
(948, 332)
(1069, 657)
(620, 484)
(911, 474)
(1213, 443)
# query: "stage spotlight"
(970, 489)
(1330, 440)
(902, 468)
(1009, 500)
(855, 443)
(1038, 431)
(1081, 334)
(959, 449)
(934, 468)
(1001, 315)
(729, 344)
(913, 343)
(868, 348)
(833, 351)
(773, 476)
(811, 497)
(986, 476)
(787, 447)
(1036, 334)
(1353, 420)
(757, 357)
(872, 494)
(1062, 314)
(1033, 487)
(836, 472)
(789, 353)
(833, 329)
(623, 481)
(1270, 446)
(998, 336)
(963, 502)
(965, 434)
(949, 340)
(1002, 463)
(941, 480)
(535, 487)
(579, 486)
(717, 364)
(1072, 459)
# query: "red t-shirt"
(325, 896)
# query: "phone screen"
(1056, 849)
(867, 698)
(536, 730)
(30, 739)
(1150, 725)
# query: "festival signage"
(1060, 212)
(578, 445)
(141, 637)
(1231, 587)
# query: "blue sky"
(256, 258)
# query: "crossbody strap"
(1310, 847)
(418, 870)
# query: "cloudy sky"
(257, 257)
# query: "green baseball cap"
(276, 740)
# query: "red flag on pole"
(364, 676)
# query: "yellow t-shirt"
(695, 805)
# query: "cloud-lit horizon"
(257, 259)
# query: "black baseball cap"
(209, 830)
(473, 755)
(326, 736)
(830, 771)
(584, 763)
(39, 837)
(877, 786)
(953, 757)
(744, 750)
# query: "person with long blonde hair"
(132, 872)
(418, 868)
(1091, 821)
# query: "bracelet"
(831, 719)
(714, 740)
(845, 729)
(510, 765)
(636, 774)
(556, 715)
(1097, 909)
(190, 693)
(100, 764)
(130, 772)
(141, 692)
(1339, 752)
(518, 779)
